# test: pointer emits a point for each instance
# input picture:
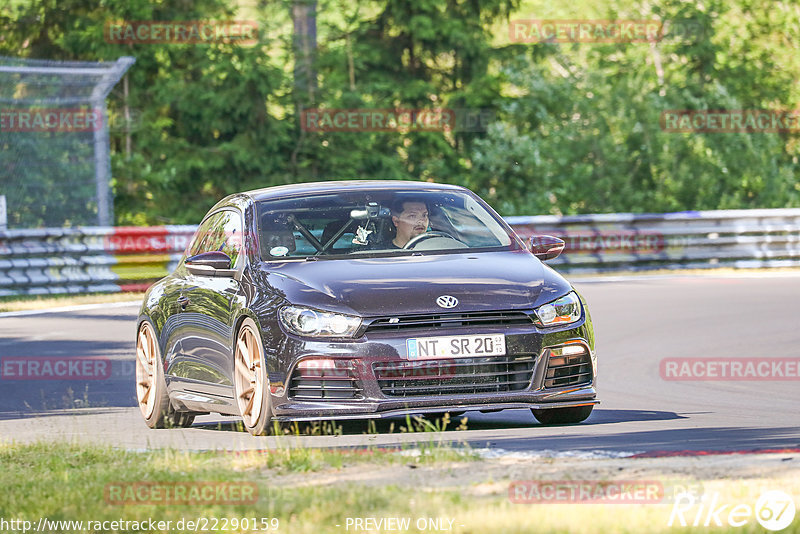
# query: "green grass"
(300, 488)
(67, 482)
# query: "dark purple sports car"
(362, 299)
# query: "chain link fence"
(55, 166)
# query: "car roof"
(347, 186)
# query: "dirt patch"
(492, 476)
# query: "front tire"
(251, 384)
(181, 419)
(563, 416)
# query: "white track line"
(545, 453)
(65, 309)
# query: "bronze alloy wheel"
(151, 389)
(146, 362)
(250, 379)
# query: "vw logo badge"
(446, 301)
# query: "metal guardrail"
(740, 239)
(89, 259)
(106, 259)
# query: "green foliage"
(576, 126)
(582, 134)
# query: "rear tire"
(151, 388)
(563, 416)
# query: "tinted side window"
(223, 232)
(202, 233)
(230, 240)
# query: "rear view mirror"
(545, 247)
(215, 263)
(371, 211)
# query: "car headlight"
(315, 323)
(565, 310)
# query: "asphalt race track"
(638, 323)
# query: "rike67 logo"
(774, 510)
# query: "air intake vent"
(408, 322)
(463, 376)
(569, 365)
(318, 379)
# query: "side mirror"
(215, 263)
(546, 247)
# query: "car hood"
(411, 284)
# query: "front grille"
(461, 376)
(568, 370)
(490, 318)
(323, 383)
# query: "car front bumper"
(308, 411)
(374, 403)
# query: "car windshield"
(335, 225)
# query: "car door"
(170, 322)
(173, 304)
(207, 305)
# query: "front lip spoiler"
(437, 409)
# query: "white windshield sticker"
(278, 251)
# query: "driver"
(410, 218)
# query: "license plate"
(426, 348)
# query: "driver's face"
(412, 222)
